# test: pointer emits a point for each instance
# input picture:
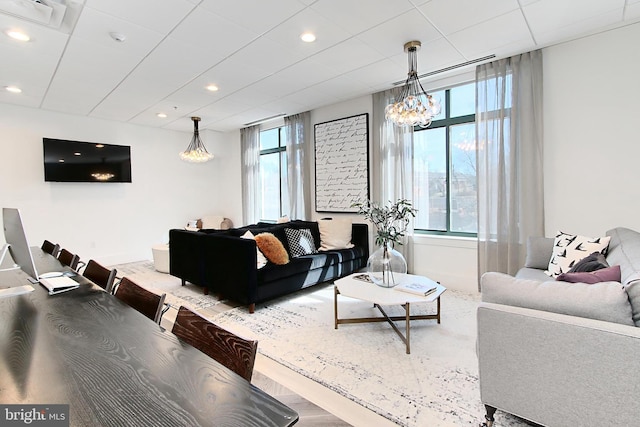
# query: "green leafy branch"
(391, 220)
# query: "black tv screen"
(75, 161)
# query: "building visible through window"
(274, 201)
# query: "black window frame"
(446, 123)
(279, 149)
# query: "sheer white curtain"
(509, 160)
(297, 142)
(250, 156)
(392, 169)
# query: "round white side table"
(161, 258)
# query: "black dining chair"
(69, 259)
(50, 248)
(100, 275)
(232, 351)
(146, 302)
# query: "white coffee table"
(379, 296)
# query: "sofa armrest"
(360, 237)
(558, 370)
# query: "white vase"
(386, 266)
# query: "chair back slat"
(100, 275)
(146, 302)
(232, 351)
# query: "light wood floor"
(310, 415)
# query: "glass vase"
(386, 266)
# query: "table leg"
(335, 306)
(408, 318)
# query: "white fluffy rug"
(436, 385)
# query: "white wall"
(110, 222)
(591, 143)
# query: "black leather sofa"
(225, 264)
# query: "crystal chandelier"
(415, 106)
(196, 151)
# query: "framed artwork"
(342, 163)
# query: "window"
(445, 189)
(274, 201)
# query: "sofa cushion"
(609, 274)
(335, 234)
(568, 249)
(539, 251)
(272, 248)
(606, 301)
(593, 262)
(300, 242)
(302, 264)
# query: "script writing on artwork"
(342, 163)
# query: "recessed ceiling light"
(18, 35)
(162, 115)
(212, 88)
(99, 145)
(77, 153)
(61, 161)
(13, 89)
(308, 37)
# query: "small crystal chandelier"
(416, 107)
(196, 151)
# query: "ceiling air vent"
(46, 12)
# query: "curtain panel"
(250, 158)
(297, 138)
(509, 159)
(392, 169)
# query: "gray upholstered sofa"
(558, 353)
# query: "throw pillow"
(595, 261)
(272, 248)
(335, 234)
(568, 249)
(212, 221)
(609, 274)
(261, 260)
(300, 241)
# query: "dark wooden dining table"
(113, 366)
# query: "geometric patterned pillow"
(568, 249)
(300, 241)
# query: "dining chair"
(100, 275)
(69, 259)
(232, 351)
(146, 302)
(50, 248)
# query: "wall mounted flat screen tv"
(75, 161)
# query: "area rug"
(144, 274)
(435, 385)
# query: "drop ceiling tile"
(389, 38)
(356, 16)
(632, 12)
(288, 33)
(549, 15)
(435, 55)
(451, 16)
(348, 55)
(264, 15)
(575, 29)
(380, 75)
(213, 35)
(484, 38)
(156, 15)
(304, 73)
(73, 96)
(94, 26)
